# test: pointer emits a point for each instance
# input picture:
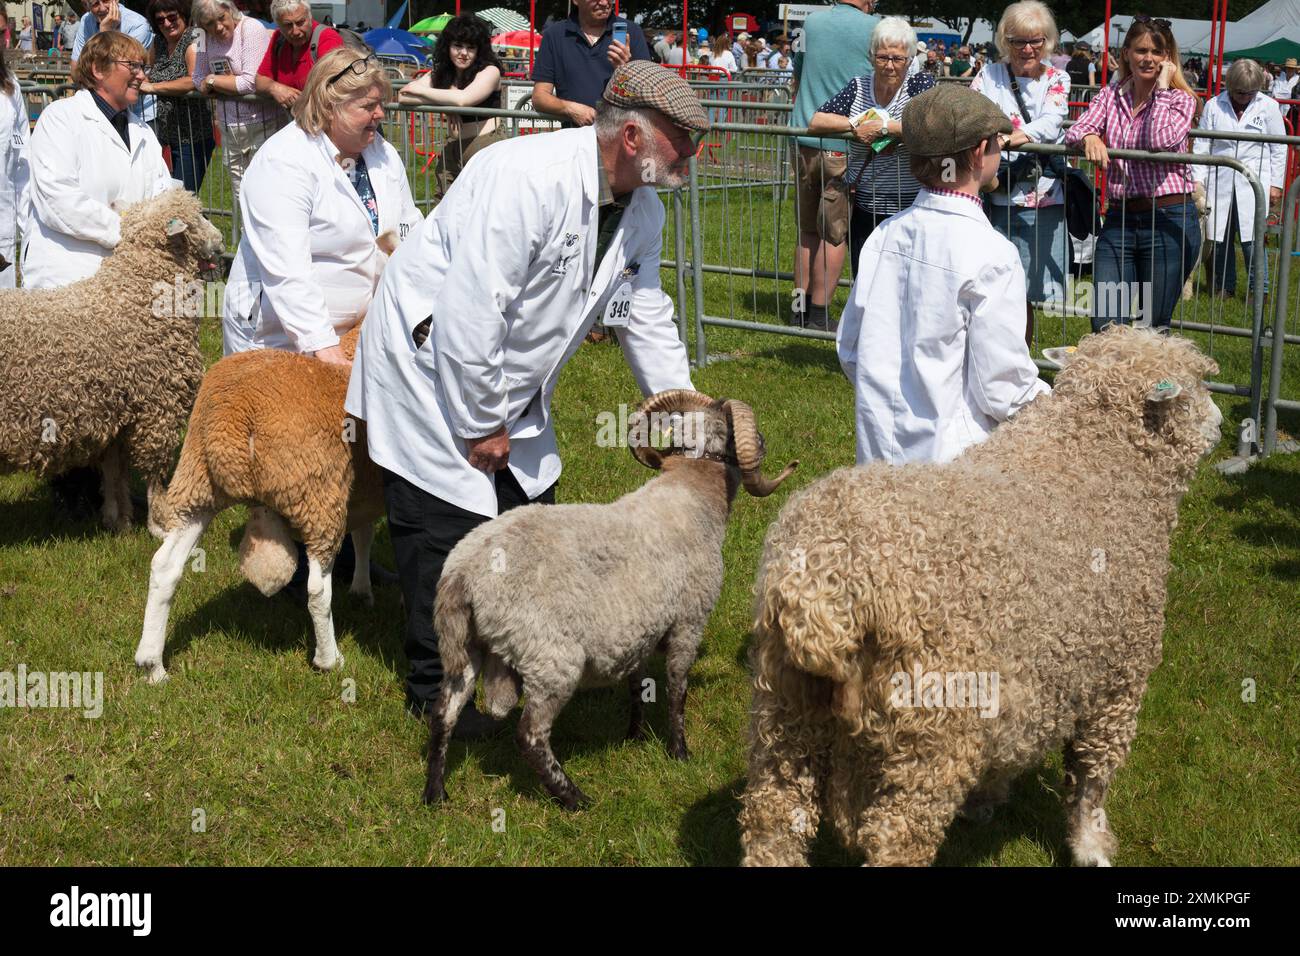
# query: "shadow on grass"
(709, 834)
(34, 520)
(1266, 481)
(595, 721)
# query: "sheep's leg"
(327, 656)
(361, 540)
(457, 691)
(636, 724)
(1091, 760)
(534, 738)
(683, 645)
(790, 732)
(991, 793)
(905, 824)
(116, 510)
(164, 574)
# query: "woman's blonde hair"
(1026, 14)
(325, 89)
(1167, 45)
(99, 53)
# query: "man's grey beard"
(658, 173)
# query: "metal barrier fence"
(742, 212)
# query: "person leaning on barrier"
(315, 198)
(109, 15)
(1240, 108)
(297, 43)
(931, 337)
(478, 312)
(576, 59)
(183, 124)
(465, 72)
(881, 180)
(837, 45)
(1029, 206)
(87, 152)
(226, 65)
(1150, 239)
(14, 170)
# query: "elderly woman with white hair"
(1240, 108)
(871, 108)
(226, 64)
(1028, 205)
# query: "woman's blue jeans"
(190, 161)
(1141, 261)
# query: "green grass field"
(248, 756)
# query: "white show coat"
(1265, 160)
(14, 174)
(79, 165)
(505, 267)
(933, 337)
(307, 263)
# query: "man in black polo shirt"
(576, 59)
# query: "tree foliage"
(1077, 16)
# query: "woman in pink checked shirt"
(1150, 239)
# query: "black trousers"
(862, 223)
(424, 529)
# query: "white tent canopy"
(1274, 20)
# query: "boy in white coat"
(933, 335)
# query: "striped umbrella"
(504, 20)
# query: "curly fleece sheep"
(103, 372)
(269, 430)
(558, 596)
(888, 597)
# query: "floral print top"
(1048, 101)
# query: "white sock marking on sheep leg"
(457, 691)
(164, 575)
(327, 656)
(361, 540)
(1087, 830)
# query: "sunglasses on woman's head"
(359, 67)
(1156, 21)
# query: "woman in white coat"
(314, 200)
(1240, 108)
(13, 170)
(86, 153)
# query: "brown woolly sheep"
(269, 430)
(1033, 567)
(103, 372)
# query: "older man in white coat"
(478, 312)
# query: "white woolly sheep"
(1038, 559)
(551, 597)
(102, 372)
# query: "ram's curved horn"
(672, 400)
(749, 451)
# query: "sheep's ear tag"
(1164, 391)
(176, 226)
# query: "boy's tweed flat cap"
(642, 84)
(948, 119)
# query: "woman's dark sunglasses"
(1156, 21)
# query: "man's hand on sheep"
(491, 452)
(334, 355)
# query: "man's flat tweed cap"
(641, 83)
(949, 119)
